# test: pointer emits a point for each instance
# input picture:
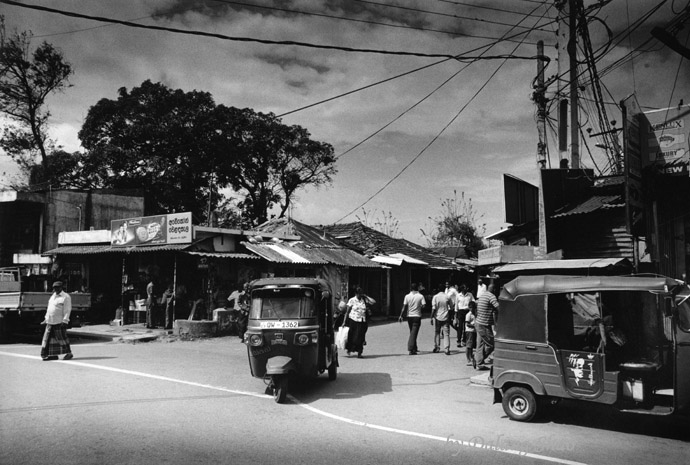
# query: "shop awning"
(96, 249)
(224, 255)
(574, 264)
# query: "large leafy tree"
(182, 149)
(26, 80)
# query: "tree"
(26, 80)
(457, 226)
(182, 149)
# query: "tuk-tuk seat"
(640, 366)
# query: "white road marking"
(457, 442)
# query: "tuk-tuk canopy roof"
(282, 282)
(553, 284)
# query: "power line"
(449, 15)
(364, 21)
(501, 10)
(434, 139)
(240, 39)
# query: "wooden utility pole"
(567, 66)
(540, 100)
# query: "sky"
(411, 129)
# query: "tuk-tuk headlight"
(302, 339)
(255, 340)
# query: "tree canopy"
(457, 225)
(26, 80)
(182, 149)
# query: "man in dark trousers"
(487, 307)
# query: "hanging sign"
(175, 228)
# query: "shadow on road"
(347, 386)
(607, 418)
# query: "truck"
(21, 309)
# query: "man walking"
(412, 308)
(55, 340)
(441, 306)
(487, 306)
(462, 306)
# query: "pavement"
(128, 333)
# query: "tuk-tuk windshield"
(282, 303)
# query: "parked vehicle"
(290, 332)
(621, 341)
(20, 308)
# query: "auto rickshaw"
(290, 332)
(621, 341)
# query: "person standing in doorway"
(441, 314)
(412, 308)
(55, 340)
(487, 307)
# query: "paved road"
(182, 402)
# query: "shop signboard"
(668, 134)
(175, 228)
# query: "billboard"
(667, 140)
(175, 228)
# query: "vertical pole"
(562, 42)
(574, 119)
(174, 290)
(541, 147)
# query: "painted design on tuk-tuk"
(578, 366)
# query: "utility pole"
(540, 100)
(567, 65)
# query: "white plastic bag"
(341, 337)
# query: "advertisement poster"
(668, 134)
(174, 228)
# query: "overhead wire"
(242, 39)
(449, 15)
(356, 20)
(329, 99)
(483, 7)
(433, 140)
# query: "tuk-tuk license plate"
(279, 324)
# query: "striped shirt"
(485, 309)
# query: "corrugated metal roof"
(300, 252)
(278, 253)
(592, 204)
(562, 264)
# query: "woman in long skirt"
(356, 320)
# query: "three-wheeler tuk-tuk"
(621, 341)
(290, 332)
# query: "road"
(185, 402)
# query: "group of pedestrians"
(452, 308)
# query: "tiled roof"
(373, 243)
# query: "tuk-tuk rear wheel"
(280, 387)
(519, 403)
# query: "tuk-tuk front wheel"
(519, 403)
(280, 387)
